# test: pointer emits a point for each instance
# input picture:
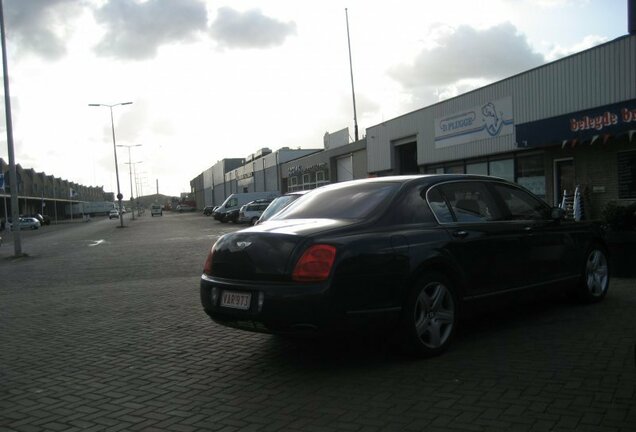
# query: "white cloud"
(469, 53)
(41, 26)
(459, 58)
(250, 29)
(590, 41)
(135, 30)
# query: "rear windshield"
(278, 204)
(341, 201)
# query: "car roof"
(298, 192)
(426, 179)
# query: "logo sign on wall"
(492, 119)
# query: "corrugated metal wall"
(599, 76)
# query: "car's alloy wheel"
(596, 277)
(431, 315)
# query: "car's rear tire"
(595, 279)
(430, 315)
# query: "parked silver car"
(252, 211)
(27, 223)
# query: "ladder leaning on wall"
(573, 204)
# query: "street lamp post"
(131, 167)
(112, 124)
(130, 175)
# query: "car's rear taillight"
(315, 264)
(207, 266)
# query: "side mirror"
(557, 213)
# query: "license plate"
(236, 300)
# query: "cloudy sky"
(221, 79)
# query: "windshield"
(340, 201)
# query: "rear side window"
(413, 208)
(439, 206)
(470, 201)
(341, 201)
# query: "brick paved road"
(109, 336)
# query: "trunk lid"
(267, 252)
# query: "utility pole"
(353, 92)
(13, 177)
(132, 202)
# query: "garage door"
(345, 168)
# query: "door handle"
(460, 234)
(527, 229)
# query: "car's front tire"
(430, 315)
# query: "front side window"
(520, 205)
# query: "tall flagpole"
(355, 116)
(15, 212)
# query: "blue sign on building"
(579, 127)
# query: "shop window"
(307, 181)
(531, 174)
(455, 169)
(434, 170)
(293, 184)
(626, 166)
(504, 168)
(320, 178)
(479, 168)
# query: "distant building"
(46, 194)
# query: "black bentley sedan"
(405, 252)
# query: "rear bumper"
(288, 308)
